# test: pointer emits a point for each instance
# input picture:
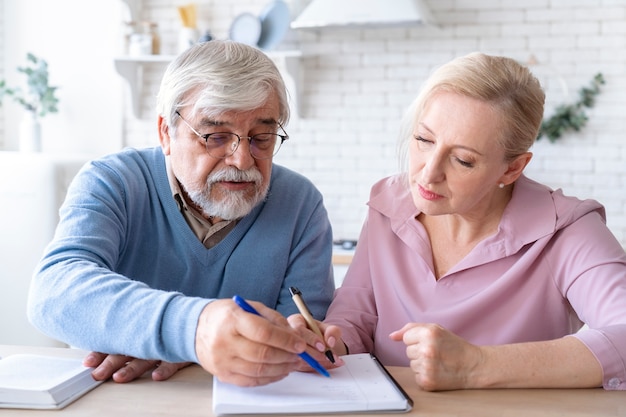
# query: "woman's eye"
(423, 143)
(465, 163)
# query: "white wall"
(77, 39)
(357, 84)
(2, 36)
(32, 187)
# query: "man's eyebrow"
(213, 122)
(206, 121)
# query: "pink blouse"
(551, 266)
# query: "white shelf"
(131, 68)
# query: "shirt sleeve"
(590, 269)
(354, 306)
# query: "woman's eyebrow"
(456, 146)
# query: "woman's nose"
(433, 171)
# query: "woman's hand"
(440, 359)
(332, 340)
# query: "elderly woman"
(471, 273)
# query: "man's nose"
(241, 158)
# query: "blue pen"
(305, 356)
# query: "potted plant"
(38, 100)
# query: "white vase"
(187, 37)
(30, 133)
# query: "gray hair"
(218, 76)
(514, 93)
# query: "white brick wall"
(357, 84)
(2, 76)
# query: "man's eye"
(265, 140)
(219, 138)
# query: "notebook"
(361, 385)
(42, 382)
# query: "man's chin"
(228, 204)
(231, 208)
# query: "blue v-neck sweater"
(125, 273)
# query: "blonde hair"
(515, 94)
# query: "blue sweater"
(126, 274)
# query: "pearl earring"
(501, 185)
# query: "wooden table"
(189, 393)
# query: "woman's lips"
(428, 195)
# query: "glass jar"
(141, 38)
(152, 29)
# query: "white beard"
(235, 204)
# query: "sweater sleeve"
(77, 297)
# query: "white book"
(43, 382)
(361, 385)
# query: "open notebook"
(361, 385)
(44, 382)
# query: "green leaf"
(40, 96)
(571, 117)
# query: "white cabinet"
(32, 187)
(131, 69)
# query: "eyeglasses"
(223, 144)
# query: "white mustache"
(235, 175)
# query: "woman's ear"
(164, 135)
(515, 168)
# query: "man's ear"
(164, 135)
(515, 169)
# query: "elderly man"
(153, 243)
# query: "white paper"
(359, 385)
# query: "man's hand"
(244, 349)
(125, 368)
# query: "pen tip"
(330, 356)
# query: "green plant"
(571, 116)
(40, 96)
